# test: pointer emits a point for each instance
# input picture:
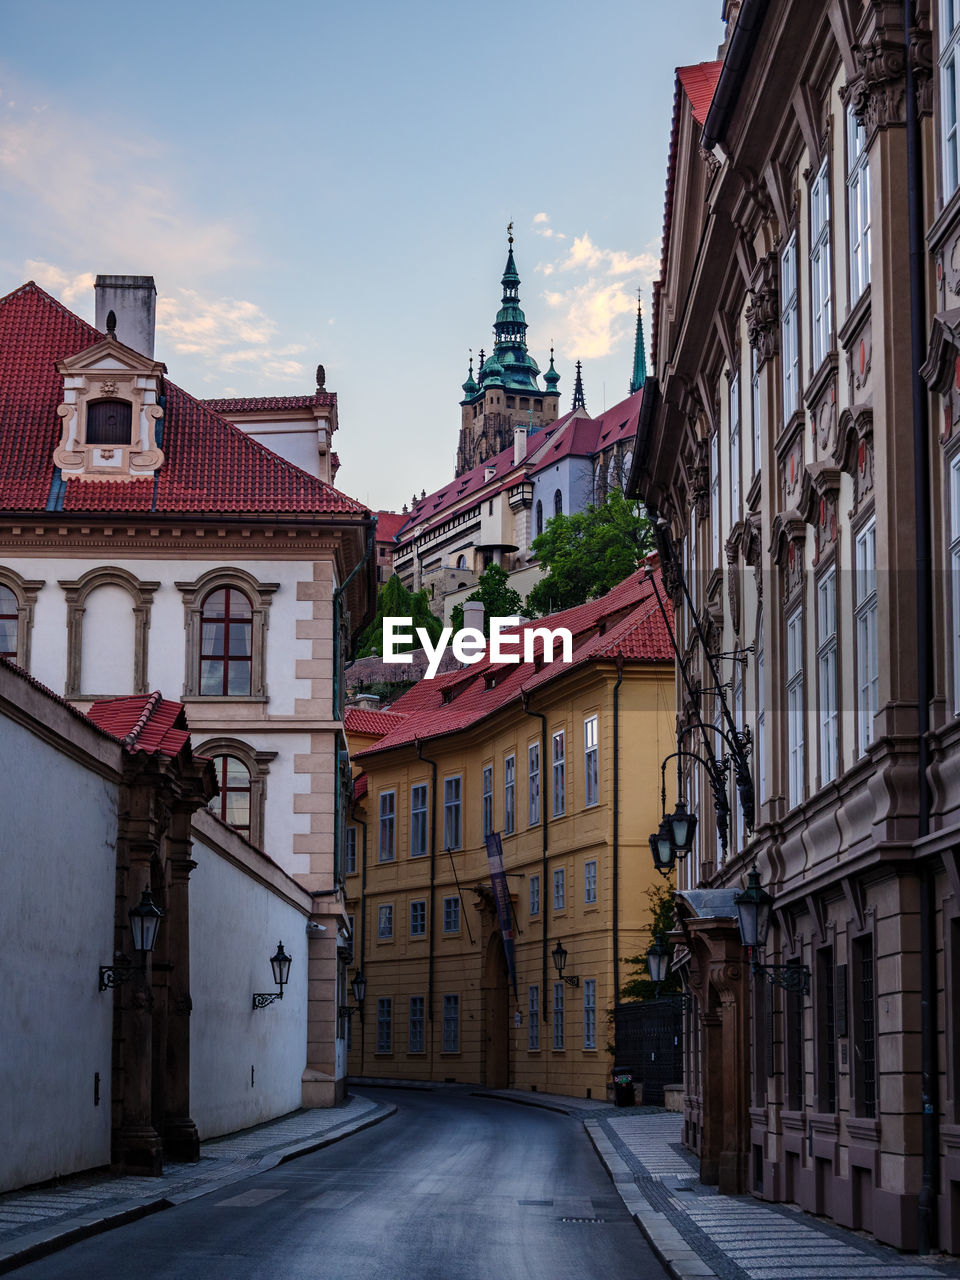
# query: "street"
(453, 1187)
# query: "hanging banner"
(501, 894)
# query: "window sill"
(224, 697)
(818, 381)
(858, 313)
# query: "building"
(146, 543)
(561, 760)
(797, 451)
(389, 524)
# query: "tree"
(663, 918)
(587, 553)
(498, 599)
(395, 601)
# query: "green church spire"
(470, 387)
(551, 377)
(639, 351)
(510, 360)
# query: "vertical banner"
(501, 894)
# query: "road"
(450, 1188)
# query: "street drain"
(583, 1219)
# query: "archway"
(496, 1016)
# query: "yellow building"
(562, 760)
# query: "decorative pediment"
(110, 413)
(941, 371)
(820, 494)
(854, 449)
(732, 549)
(789, 539)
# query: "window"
(955, 575)
(533, 1017)
(864, 1027)
(385, 920)
(451, 1024)
(558, 1015)
(591, 762)
(451, 915)
(539, 522)
(795, 708)
(761, 758)
(793, 1046)
(559, 889)
(535, 895)
(950, 94)
(755, 407)
(388, 826)
(589, 1013)
(487, 799)
(820, 293)
(418, 918)
(715, 496)
(233, 803)
(826, 1044)
(557, 503)
(789, 331)
(385, 1025)
(226, 632)
(109, 422)
(735, 447)
(590, 881)
(451, 813)
(418, 820)
(827, 675)
(417, 1036)
(858, 205)
(736, 808)
(9, 620)
(350, 852)
(509, 795)
(559, 774)
(868, 666)
(533, 779)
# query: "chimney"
(473, 614)
(365, 702)
(133, 300)
(519, 445)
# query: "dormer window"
(108, 422)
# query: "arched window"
(233, 803)
(461, 562)
(539, 517)
(9, 620)
(226, 635)
(109, 421)
(558, 503)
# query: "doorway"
(496, 1016)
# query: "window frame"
(790, 327)
(948, 124)
(384, 1024)
(589, 1013)
(715, 495)
(387, 826)
(258, 765)
(559, 888)
(590, 882)
(24, 592)
(417, 1025)
(384, 921)
(451, 912)
(559, 1030)
(821, 277)
(450, 1042)
(534, 895)
(735, 438)
(421, 904)
(453, 812)
(866, 623)
(828, 710)
(534, 797)
(558, 773)
(591, 761)
(419, 818)
(486, 786)
(260, 595)
(796, 711)
(350, 851)
(509, 794)
(533, 1017)
(859, 240)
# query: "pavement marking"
(247, 1199)
(333, 1200)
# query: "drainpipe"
(927, 1205)
(616, 831)
(538, 715)
(433, 876)
(363, 911)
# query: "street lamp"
(658, 962)
(754, 906)
(359, 988)
(144, 920)
(683, 828)
(280, 964)
(559, 954)
(662, 848)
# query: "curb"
(669, 1247)
(523, 1102)
(47, 1240)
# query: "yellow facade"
(455, 965)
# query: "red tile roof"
(269, 404)
(699, 83)
(624, 624)
(145, 722)
(389, 524)
(360, 784)
(374, 724)
(210, 466)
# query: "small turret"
(578, 400)
(551, 377)
(470, 387)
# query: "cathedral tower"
(506, 392)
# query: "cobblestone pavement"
(698, 1233)
(84, 1203)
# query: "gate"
(648, 1040)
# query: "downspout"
(525, 702)
(927, 1233)
(616, 831)
(433, 876)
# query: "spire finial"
(112, 324)
(578, 398)
(639, 350)
(510, 232)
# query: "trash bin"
(623, 1095)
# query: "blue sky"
(331, 182)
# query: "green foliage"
(662, 919)
(395, 601)
(499, 600)
(587, 553)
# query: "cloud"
(584, 254)
(541, 217)
(74, 290)
(229, 333)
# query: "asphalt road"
(450, 1188)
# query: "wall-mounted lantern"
(280, 964)
(144, 920)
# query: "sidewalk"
(35, 1223)
(697, 1233)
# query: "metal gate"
(648, 1040)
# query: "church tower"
(506, 392)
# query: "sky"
(319, 181)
